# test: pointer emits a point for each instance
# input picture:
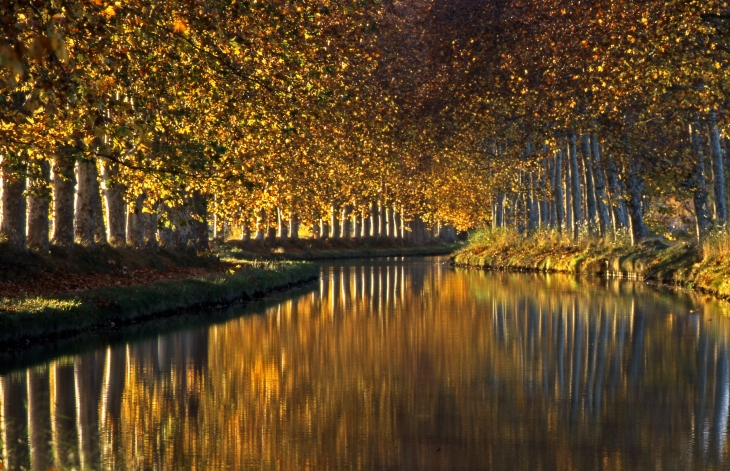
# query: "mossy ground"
(654, 259)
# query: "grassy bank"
(238, 254)
(328, 249)
(31, 319)
(21, 265)
(678, 263)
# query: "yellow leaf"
(179, 26)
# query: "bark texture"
(13, 209)
(346, 229)
(199, 209)
(39, 205)
(604, 219)
(85, 223)
(635, 190)
(591, 209)
(334, 223)
(699, 184)
(558, 191)
(718, 170)
(114, 199)
(136, 222)
(577, 216)
(64, 184)
(616, 190)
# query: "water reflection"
(397, 365)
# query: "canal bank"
(676, 264)
(24, 321)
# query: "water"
(393, 364)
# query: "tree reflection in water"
(397, 364)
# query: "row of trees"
(135, 121)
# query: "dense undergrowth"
(656, 259)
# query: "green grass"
(237, 254)
(25, 319)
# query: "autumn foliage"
(144, 122)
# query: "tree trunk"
(346, 229)
(114, 198)
(383, 225)
(261, 226)
(150, 229)
(270, 228)
(390, 222)
(558, 191)
(718, 170)
(402, 227)
(13, 225)
(357, 224)
(533, 208)
(575, 186)
(604, 219)
(281, 226)
(591, 203)
(39, 204)
(293, 226)
(397, 221)
(544, 201)
(634, 189)
(164, 231)
(551, 168)
(324, 229)
(334, 223)
(98, 211)
(374, 220)
(245, 228)
(84, 227)
(499, 210)
(135, 223)
(702, 213)
(181, 221)
(200, 222)
(615, 188)
(64, 185)
(365, 223)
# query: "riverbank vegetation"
(32, 318)
(163, 123)
(682, 263)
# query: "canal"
(391, 364)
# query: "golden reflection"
(399, 365)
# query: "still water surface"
(395, 364)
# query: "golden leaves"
(109, 12)
(179, 26)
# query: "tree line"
(144, 122)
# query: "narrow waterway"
(394, 364)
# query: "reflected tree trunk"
(39, 419)
(13, 389)
(63, 416)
